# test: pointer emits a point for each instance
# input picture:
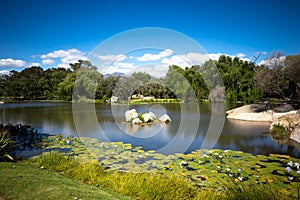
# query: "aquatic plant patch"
(213, 170)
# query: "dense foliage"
(227, 78)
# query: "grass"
(27, 181)
(155, 185)
(149, 101)
(137, 185)
(139, 173)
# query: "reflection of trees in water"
(58, 118)
(257, 145)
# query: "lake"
(193, 126)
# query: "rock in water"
(130, 115)
(147, 117)
(152, 115)
(295, 135)
(136, 121)
(165, 118)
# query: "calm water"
(193, 126)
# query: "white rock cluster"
(135, 118)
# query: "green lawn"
(26, 181)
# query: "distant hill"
(114, 74)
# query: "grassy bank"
(149, 101)
(202, 174)
(27, 181)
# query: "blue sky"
(53, 33)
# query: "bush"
(17, 138)
(7, 145)
(279, 129)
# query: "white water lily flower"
(240, 178)
(298, 172)
(219, 167)
(290, 163)
(288, 169)
(297, 165)
(291, 178)
(231, 175)
(183, 164)
(227, 169)
(239, 169)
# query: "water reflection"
(187, 129)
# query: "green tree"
(106, 86)
(292, 69)
(179, 85)
(65, 88)
(142, 77)
(86, 83)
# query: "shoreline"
(258, 113)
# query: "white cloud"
(273, 61)
(240, 55)
(11, 63)
(34, 64)
(63, 65)
(4, 72)
(62, 53)
(192, 58)
(151, 57)
(122, 67)
(48, 62)
(66, 57)
(176, 60)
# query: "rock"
(114, 99)
(252, 113)
(136, 121)
(153, 116)
(130, 115)
(259, 107)
(147, 117)
(295, 135)
(165, 118)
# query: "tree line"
(227, 78)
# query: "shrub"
(7, 145)
(17, 138)
(279, 129)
